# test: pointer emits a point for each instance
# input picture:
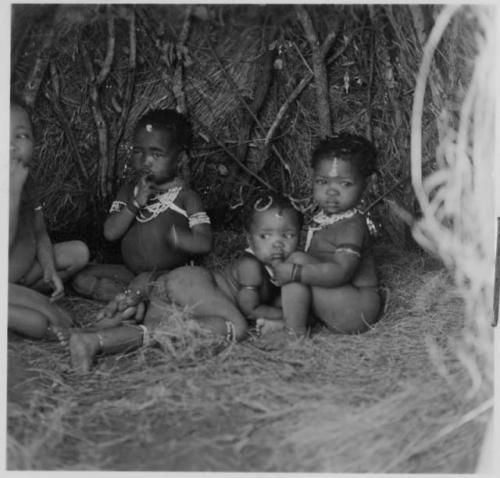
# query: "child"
(336, 274)
(222, 302)
(35, 265)
(160, 221)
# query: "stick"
(129, 91)
(301, 86)
(177, 86)
(320, 75)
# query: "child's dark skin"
(221, 302)
(337, 273)
(151, 241)
(37, 268)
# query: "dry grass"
(390, 400)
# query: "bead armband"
(296, 273)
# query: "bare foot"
(266, 326)
(56, 332)
(83, 348)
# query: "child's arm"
(18, 175)
(331, 269)
(249, 301)
(198, 239)
(124, 209)
(45, 255)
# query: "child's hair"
(17, 101)
(267, 201)
(171, 121)
(349, 147)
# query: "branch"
(35, 78)
(242, 100)
(319, 68)
(102, 131)
(110, 51)
(303, 83)
(177, 86)
(232, 156)
(129, 91)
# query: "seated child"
(221, 302)
(160, 221)
(36, 266)
(337, 272)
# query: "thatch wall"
(235, 67)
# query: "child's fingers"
(128, 313)
(140, 312)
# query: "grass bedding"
(391, 400)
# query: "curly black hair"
(268, 201)
(176, 124)
(349, 147)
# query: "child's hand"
(145, 189)
(18, 173)
(282, 272)
(52, 277)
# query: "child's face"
(21, 135)
(337, 185)
(273, 235)
(153, 154)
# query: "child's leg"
(85, 346)
(102, 281)
(346, 309)
(196, 287)
(69, 258)
(31, 313)
(295, 302)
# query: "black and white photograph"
(250, 238)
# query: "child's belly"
(145, 247)
(22, 255)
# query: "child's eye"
(320, 181)
(22, 136)
(157, 156)
(289, 235)
(265, 236)
(136, 151)
(346, 184)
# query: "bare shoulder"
(352, 229)
(190, 200)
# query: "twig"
(102, 131)
(230, 154)
(129, 92)
(110, 50)
(242, 100)
(35, 78)
(386, 193)
(319, 68)
(54, 98)
(177, 86)
(303, 83)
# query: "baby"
(336, 277)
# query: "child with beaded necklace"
(161, 223)
(335, 278)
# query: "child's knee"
(84, 283)
(81, 254)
